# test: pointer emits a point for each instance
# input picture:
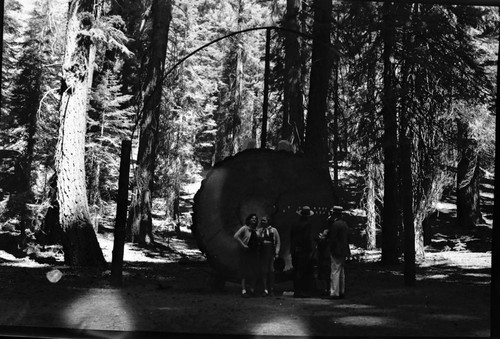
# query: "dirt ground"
(166, 291)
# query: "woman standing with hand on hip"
(249, 241)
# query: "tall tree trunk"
(468, 175)
(336, 115)
(390, 219)
(405, 163)
(140, 223)
(316, 145)
(94, 195)
(27, 163)
(372, 163)
(407, 207)
(293, 112)
(267, 70)
(237, 90)
(79, 240)
(238, 97)
(371, 213)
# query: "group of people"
(261, 246)
(327, 253)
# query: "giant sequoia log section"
(262, 181)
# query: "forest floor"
(166, 290)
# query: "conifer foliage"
(408, 101)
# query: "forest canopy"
(399, 91)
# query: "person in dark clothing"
(269, 250)
(323, 260)
(302, 245)
(338, 236)
(249, 243)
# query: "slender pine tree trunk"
(371, 213)
(390, 218)
(293, 113)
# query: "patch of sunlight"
(445, 206)
(450, 317)
(354, 306)
(488, 222)
(487, 194)
(88, 312)
(358, 212)
(284, 325)
(7, 259)
(478, 275)
(481, 333)
(468, 259)
(361, 320)
(434, 276)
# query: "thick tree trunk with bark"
(316, 146)
(468, 176)
(140, 224)
(78, 237)
(390, 219)
(293, 112)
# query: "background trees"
(409, 100)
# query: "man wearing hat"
(338, 234)
(302, 245)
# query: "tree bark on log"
(261, 181)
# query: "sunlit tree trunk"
(140, 223)
(372, 166)
(78, 237)
(371, 213)
(234, 143)
(316, 145)
(293, 113)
